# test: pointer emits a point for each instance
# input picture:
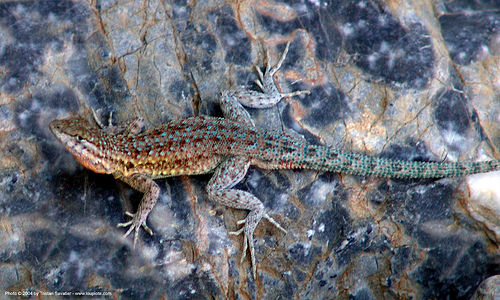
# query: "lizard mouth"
(84, 151)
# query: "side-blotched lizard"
(226, 146)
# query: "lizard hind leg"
(232, 101)
(269, 94)
(219, 190)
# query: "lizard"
(227, 147)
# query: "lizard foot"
(135, 224)
(247, 241)
(248, 230)
(266, 79)
(268, 217)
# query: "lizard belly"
(167, 167)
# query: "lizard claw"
(270, 219)
(135, 224)
(247, 231)
(239, 231)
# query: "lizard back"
(197, 145)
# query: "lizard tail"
(328, 159)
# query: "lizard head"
(86, 142)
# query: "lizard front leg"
(131, 127)
(219, 189)
(151, 190)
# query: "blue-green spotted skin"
(227, 147)
(197, 146)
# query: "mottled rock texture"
(416, 80)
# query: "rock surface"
(416, 81)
